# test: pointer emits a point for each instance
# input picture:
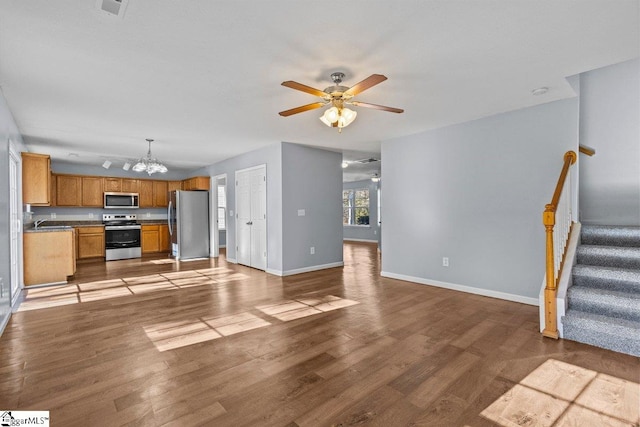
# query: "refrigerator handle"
(169, 218)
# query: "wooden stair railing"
(556, 239)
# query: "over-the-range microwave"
(121, 200)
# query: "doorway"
(15, 213)
(251, 219)
(219, 213)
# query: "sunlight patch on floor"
(561, 394)
(299, 308)
(171, 335)
(57, 295)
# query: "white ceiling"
(202, 77)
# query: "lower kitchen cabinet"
(150, 236)
(155, 238)
(49, 257)
(90, 242)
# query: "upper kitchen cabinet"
(36, 179)
(112, 185)
(68, 190)
(130, 185)
(174, 185)
(196, 183)
(92, 191)
(146, 193)
(160, 194)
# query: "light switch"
(301, 212)
(231, 213)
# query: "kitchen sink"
(54, 227)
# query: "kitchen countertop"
(29, 228)
(75, 224)
(48, 230)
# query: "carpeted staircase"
(604, 300)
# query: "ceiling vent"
(112, 7)
(365, 161)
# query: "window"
(222, 207)
(355, 207)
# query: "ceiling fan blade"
(377, 107)
(304, 88)
(370, 81)
(302, 109)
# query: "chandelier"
(149, 164)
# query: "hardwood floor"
(152, 342)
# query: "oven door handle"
(124, 244)
(169, 217)
(122, 227)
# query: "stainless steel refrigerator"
(188, 217)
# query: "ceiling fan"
(339, 97)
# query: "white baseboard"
(304, 269)
(4, 324)
(348, 239)
(222, 246)
(232, 260)
(463, 288)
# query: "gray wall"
(475, 192)
(298, 177)
(272, 157)
(115, 171)
(372, 232)
(8, 132)
(610, 123)
(311, 181)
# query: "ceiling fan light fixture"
(375, 178)
(345, 165)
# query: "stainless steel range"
(122, 236)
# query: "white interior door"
(251, 217)
(243, 217)
(259, 219)
(14, 214)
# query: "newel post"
(550, 317)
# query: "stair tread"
(615, 334)
(610, 256)
(598, 292)
(607, 234)
(599, 320)
(601, 270)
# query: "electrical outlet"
(90, 215)
(445, 261)
(312, 250)
(53, 215)
(148, 214)
(301, 212)
(375, 231)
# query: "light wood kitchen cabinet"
(160, 194)
(146, 193)
(36, 179)
(174, 185)
(49, 256)
(196, 183)
(112, 185)
(165, 239)
(90, 242)
(92, 194)
(68, 190)
(130, 185)
(150, 236)
(52, 193)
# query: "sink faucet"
(38, 222)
